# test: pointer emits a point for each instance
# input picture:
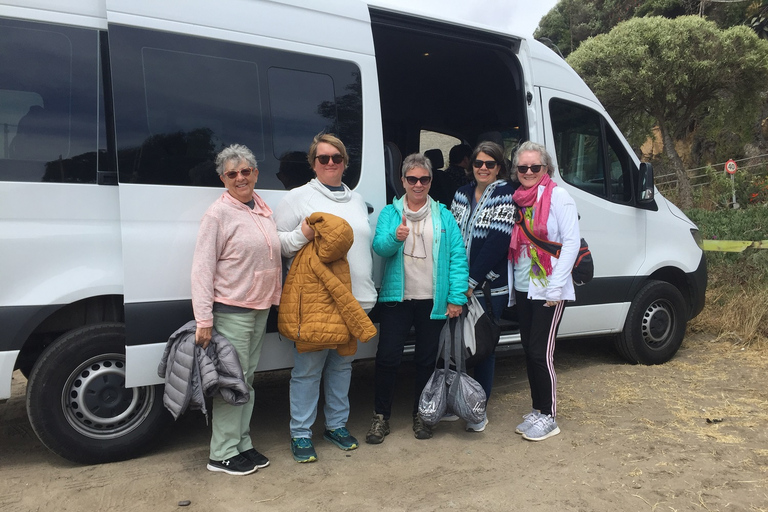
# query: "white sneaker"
(449, 417)
(528, 421)
(477, 427)
(544, 427)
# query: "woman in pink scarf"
(542, 283)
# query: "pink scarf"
(526, 198)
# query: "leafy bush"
(737, 292)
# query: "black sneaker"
(252, 455)
(420, 429)
(237, 465)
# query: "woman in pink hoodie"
(236, 278)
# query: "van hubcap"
(96, 402)
(657, 324)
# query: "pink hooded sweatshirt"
(237, 258)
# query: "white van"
(112, 112)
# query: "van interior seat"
(436, 158)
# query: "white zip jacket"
(562, 227)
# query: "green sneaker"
(302, 449)
(341, 438)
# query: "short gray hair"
(532, 146)
(416, 160)
(235, 152)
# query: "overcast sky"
(521, 16)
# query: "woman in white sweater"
(328, 158)
(542, 283)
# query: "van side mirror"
(645, 184)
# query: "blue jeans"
(308, 369)
(484, 370)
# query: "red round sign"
(730, 167)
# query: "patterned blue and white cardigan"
(486, 231)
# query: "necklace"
(418, 233)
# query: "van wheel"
(655, 325)
(78, 404)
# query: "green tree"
(759, 21)
(674, 72)
(571, 22)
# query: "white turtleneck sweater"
(313, 197)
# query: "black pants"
(538, 331)
(395, 323)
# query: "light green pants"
(231, 424)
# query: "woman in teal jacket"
(425, 282)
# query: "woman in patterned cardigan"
(484, 211)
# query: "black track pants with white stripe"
(538, 331)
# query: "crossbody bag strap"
(551, 248)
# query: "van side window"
(294, 100)
(589, 154)
(180, 99)
(49, 103)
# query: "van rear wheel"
(655, 324)
(78, 404)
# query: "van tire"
(655, 325)
(78, 404)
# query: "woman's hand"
(551, 303)
(453, 310)
(203, 336)
(402, 231)
(469, 292)
(307, 231)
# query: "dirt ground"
(687, 435)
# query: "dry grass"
(709, 399)
(735, 315)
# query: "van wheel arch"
(77, 402)
(655, 324)
(63, 318)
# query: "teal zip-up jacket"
(450, 271)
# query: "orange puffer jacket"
(317, 308)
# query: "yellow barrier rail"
(732, 245)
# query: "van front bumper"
(697, 284)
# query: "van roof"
(72, 10)
(447, 13)
(343, 24)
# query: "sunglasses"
(412, 180)
(523, 169)
(489, 164)
(245, 172)
(324, 159)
